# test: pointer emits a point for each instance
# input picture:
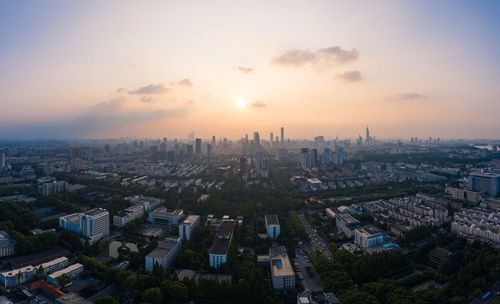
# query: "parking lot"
(305, 271)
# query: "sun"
(241, 103)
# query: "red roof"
(47, 288)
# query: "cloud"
(185, 82)
(148, 99)
(259, 104)
(152, 89)
(102, 118)
(350, 76)
(408, 96)
(324, 56)
(244, 70)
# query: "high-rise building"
(92, 225)
(189, 151)
(282, 135)
(326, 158)
(340, 156)
(209, 150)
(271, 137)
(313, 155)
(243, 164)
(256, 139)
(213, 141)
(367, 138)
(2, 160)
(305, 160)
(488, 183)
(198, 146)
(319, 140)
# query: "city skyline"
(122, 68)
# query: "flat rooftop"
(225, 230)
(220, 246)
(280, 263)
(163, 248)
(191, 219)
(272, 219)
(95, 211)
(347, 218)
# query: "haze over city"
(100, 69)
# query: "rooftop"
(191, 219)
(95, 211)
(220, 246)
(272, 219)
(164, 247)
(280, 263)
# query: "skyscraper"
(198, 146)
(271, 138)
(256, 139)
(304, 160)
(367, 139)
(2, 160)
(340, 155)
(282, 135)
(209, 150)
(326, 158)
(313, 154)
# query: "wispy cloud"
(350, 76)
(152, 89)
(244, 70)
(407, 96)
(259, 104)
(324, 56)
(185, 82)
(148, 99)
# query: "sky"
(101, 69)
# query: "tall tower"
(256, 139)
(282, 135)
(271, 138)
(367, 139)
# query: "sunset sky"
(98, 69)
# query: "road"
(312, 283)
(316, 242)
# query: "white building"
(272, 226)
(93, 225)
(128, 215)
(164, 254)
(282, 272)
(187, 226)
(7, 244)
(47, 189)
(162, 217)
(368, 238)
(14, 278)
(72, 271)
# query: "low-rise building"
(367, 238)
(272, 226)
(480, 224)
(72, 271)
(47, 189)
(164, 254)
(164, 218)
(126, 216)
(282, 273)
(346, 223)
(187, 226)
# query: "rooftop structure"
(282, 273)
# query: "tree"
(63, 280)
(106, 300)
(153, 296)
